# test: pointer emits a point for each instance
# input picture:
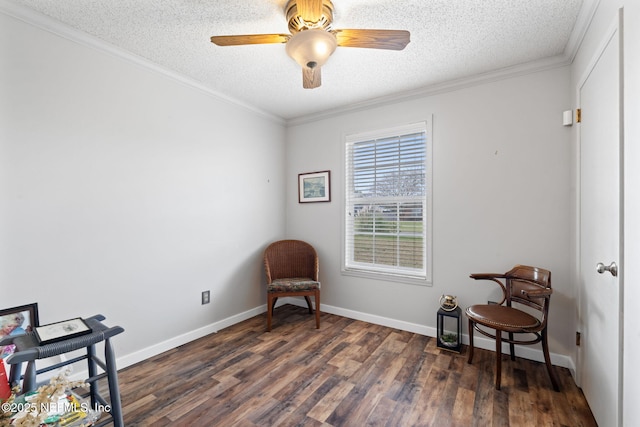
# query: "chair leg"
(309, 304)
(317, 309)
(471, 328)
(547, 360)
(512, 349)
(270, 303)
(498, 359)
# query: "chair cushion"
(295, 284)
(503, 318)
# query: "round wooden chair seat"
(503, 318)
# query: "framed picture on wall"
(314, 187)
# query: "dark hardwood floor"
(348, 373)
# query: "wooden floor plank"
(462, 414)
(347, 373)
(381, 413)
(379, 380)
(329, 402)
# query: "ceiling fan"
(312, 40)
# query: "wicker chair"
(291, 267)
(529, 286)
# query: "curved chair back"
(290, 258)
(523, 283)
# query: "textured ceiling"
(450, 40)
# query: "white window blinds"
(387, 191)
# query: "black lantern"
(449, 324)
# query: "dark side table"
(28, 350)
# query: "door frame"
(614, 30)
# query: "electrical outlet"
(206, 297)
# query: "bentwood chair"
(291, 267)
(523, 285)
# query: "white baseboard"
(179, 340)
(525, 352)
(161, 347)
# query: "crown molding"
(53, 26)
(585, 16)
(442, 87)
(583, 21)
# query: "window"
(387, 227)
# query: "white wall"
(127, 193)
(502, 196)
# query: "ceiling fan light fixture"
(312, 40)
(311, 48)
(311, 14)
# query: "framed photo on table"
(60, 331)
(314, 187)
(16, 321)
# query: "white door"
(600, 231)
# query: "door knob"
(613, 268)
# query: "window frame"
(393, 274)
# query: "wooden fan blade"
(250, 39)
(310, 10)
(311, 77)
(374, 39)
